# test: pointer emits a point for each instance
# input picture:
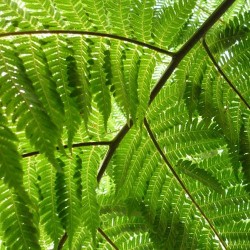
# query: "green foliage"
(124, 124)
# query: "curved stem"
(113, 146)
(179, 180)
(89, 33)
(176, 59)
(108, 239)
(223, 74)
(65, 237)
(62, 241)
(76, 145)
(215, 16)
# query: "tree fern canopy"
(124, 124)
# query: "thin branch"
(223, 244)
(76, 145)
(107, 239)
(176, 59)
(65, 237)
(113, 146)
(90, 33)
(223, 7)
(223, 74)
(62, 241)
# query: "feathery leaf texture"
(11, 168)
(124, 124)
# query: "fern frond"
(189, 76)
(150, 163)
(141, 19)
(82, 237)
(38, 72)
(147, 65)
(120, 229)
(48, 205)
(123, 157)
(118, 13)
(121, 223)
(77, 71)
(97, 15)
(44, 240)
(134, 168)
(18, 224)
(23, 103)
(99, 79)
(228, 209)
(172, 213)
(234, 30)
(30, 180)
(152, 145)
(131, 66)
(90, 208)
(46, 12)
(189, 138)
(56, 49)
(74, 14)
(169, 21)
(153, 190)
(200, 174)
(240, 232)
(10, 167)
(227, 111)
(245, 147)
(67, 197)
(15, 17)
(139, 241)
(118, 81)
(232, 65)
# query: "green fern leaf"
(74, 13)
(142, 182)
(90, 209)
(153, 190)
(18, 224)
(46, 13)
(38, 72)
(158, 141)
(234, 30)
(81, 236)
(122, 160)
(96, 14)
(96, 127)
(77, 77)
(118, 81)
(15, 17)
(245, 148)
(56, 50)
(26, 108)
(141, 19)
(147, 65)
(10, 166)
(170, 20)
(199, 174)
(118, 12)
(123, 227)
(189, 80)
(68, 203)
(134, 167)
(48, 205)
(99, 81)
(131, 65)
